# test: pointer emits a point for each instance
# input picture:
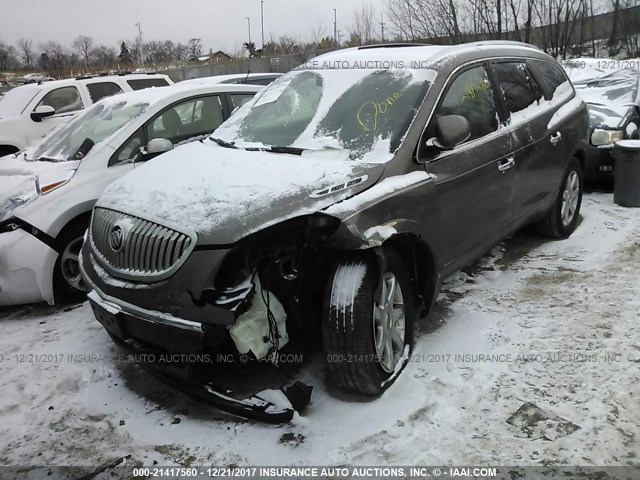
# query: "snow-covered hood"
(610, 97)
(226, 194)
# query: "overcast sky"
(221, 24)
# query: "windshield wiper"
(277, 149)
(224, 143)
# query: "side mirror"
(158, 146)
(43, 111)
(155, 147)
(451, 130)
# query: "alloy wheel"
(570, 197)
(389, 323)
(70, 265)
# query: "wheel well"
(82, 219)
(8, 149)
(421, 265)
(582, 158)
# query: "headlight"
(606, 137)
(48, 183)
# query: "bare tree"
(83, 45)
(26, 50)
(427, 19)
(57, 55)
(8, 58)
(362, 30)
(194, 48)
(104, 56)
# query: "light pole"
(262, 20)
(249, 26)
(335, 26)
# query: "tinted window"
(65, 99)
(238, 100)
(259, 81)
(98, 91)
(472, 96)
(140, 83)
(188, 119)
(518, 87)
(550, 74)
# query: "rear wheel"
(562, 218)
(368, 323)
(67, 282)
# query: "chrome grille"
(147, 251)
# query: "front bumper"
(166, 316)
(599, 164)
(26, 269)
(151, 334)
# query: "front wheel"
(368, 323)
(67, 282)
(562, 218)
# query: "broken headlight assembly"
(601, 137)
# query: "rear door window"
(552, 77)
(140, 83)
(101, 90)
(519, 89)
(63, 100)
(471, 95)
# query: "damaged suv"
(334, 203)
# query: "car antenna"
(247, 77)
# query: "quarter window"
(471, 96)
(131, 147)
(101, 90)
(551, 75)
(140, 83)
(63, 100)
(518, 87)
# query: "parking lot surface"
(531, 355)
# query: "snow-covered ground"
(559, 318)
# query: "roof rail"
(393, 45)
(513, 43)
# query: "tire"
(67, 283)
(562, 218)
(350, 330)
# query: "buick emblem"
(116, 238)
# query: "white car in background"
(239, 78)
(47, 192)
(30, 111)
(35, 78)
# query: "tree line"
(445, 21)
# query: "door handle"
(555, 138)
(506, 164)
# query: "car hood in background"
(225, 194)
(609, 97)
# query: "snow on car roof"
(405, 55)
(156, 94)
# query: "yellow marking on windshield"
(367, 115)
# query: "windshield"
(359, 110)
(15, 101)
(97, 124)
